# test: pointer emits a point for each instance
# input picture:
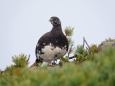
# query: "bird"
(52, 45)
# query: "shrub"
(97, 72)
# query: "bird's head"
(55, 21)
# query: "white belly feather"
(52, 53)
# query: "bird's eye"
(55, 21)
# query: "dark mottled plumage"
(52, 45)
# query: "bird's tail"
(34, 64)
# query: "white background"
(23, 22)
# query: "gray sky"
(23, 22)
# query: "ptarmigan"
(52, 45)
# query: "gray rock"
(104, 44)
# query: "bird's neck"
(57, 29)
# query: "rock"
(104, 44)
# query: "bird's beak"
(51, 20)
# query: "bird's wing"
(44, 39)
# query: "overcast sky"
(23, 22)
